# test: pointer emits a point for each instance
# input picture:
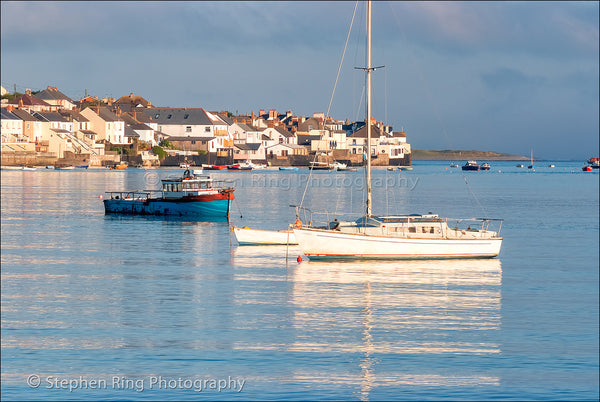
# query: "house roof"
(183, 116)
(48, 116)
(73, 115)
(247, 127)
(265, 138)
(248, 146)
(284, 132)
(107, 115)
(6, 115)
(23, 115)
(132, 100)
(51, 93)
(29, 100)
(129, 132)
(362, 133)
(60, 130)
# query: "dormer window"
(169, 116)
(186, 116)
(156, 115)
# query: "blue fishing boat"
(196, 196)
(287, 168)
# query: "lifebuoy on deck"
(298, 223)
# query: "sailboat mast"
(369, 194)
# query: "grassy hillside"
(457, 155)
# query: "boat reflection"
(400, 309)
(386, 312)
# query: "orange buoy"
(298, 223)
(100, 196)
(299, 259)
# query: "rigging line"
(342, 60)
(330, 100)
(475, 197)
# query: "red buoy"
(299, 259)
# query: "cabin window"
(203, 185)
(412, 229)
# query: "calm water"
(149, 308)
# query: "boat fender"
(298, 223)
(245, 227)
(231, 229)
(299, 259)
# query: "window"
(207, 129)
(188, 129)
(169, 116)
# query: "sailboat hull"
(329, 244)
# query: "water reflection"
(399, 309)
(385, 312)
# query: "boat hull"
(207, 208)
(328, 244)
(253, 237)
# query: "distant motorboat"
(485, 166)
(405, 168)
(470, 165)
(82, 166)
(520, 165)
(453, 165)
(287, 168)
(214, 167)
(551, 165)
(391, 168)
(587, 168)
(197, 172)
(184, 165)
(71, 167)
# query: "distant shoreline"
(455, 155)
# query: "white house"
(280, 135)
(286, 150)
(106, 124)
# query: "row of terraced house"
(52, 123)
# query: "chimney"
(253, 115)
(272, 114)
(28, 92)
(131, 95)
(261, 112)
(135, 115)
(10, 108)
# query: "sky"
(496, 76)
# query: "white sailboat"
(395, 237)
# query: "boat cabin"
(416, 226)
(177, 187)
